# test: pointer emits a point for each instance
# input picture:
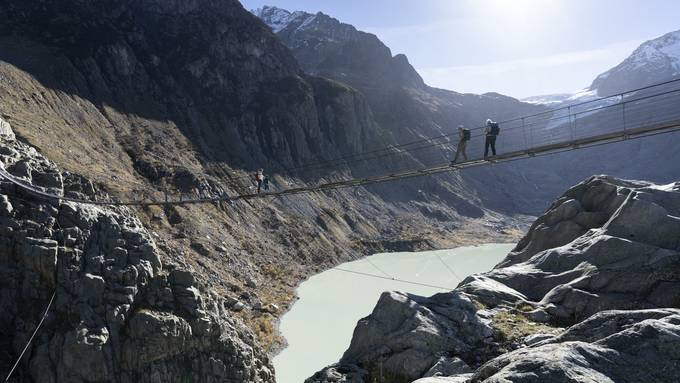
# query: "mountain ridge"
(654, 61)
(138, 97)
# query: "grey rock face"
(446, 366)
(406, 335)
(208, 66)
(462, 378)
(6, 129)
(636, 346)
(338, 373)
(606, 244)
(118, 315)
(604, 259)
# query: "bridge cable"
(392, 279)
(47, 309)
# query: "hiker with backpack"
(265, 183)
(491, 132)
(259, 178)
(463, 138)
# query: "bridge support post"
(572, 122)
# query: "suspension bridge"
(634, 114)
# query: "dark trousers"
(259, 186)
(490, 142)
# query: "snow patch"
(547, 99)
(276, 18)
(308, 21)
(652, 55)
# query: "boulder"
(447, 366)
(339, 374)
(237, 306)
(406, 334)
(6, 208)
(629, 348)
(187, 298)
(462, 378)
(91, 289)
(87, 354)
(154, 336)
(40, 255)
(181, 277)
(6, 129)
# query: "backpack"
(495, 129)
(466, 134)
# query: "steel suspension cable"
(30, 340)
(392, 279)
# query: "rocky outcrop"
(611, 346)
(120, 313)
(6, 129)
(413, 333)
(606, 244)
(604, 260)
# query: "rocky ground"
(590, 294)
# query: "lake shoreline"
(418, 270)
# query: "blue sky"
(516, 47)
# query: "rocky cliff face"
(327, 47)
(122, 310)
(411, 110)
(404, 105)
(400, 99)
(141, 96)
(226, 83)
(604, 261)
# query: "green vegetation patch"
(510, 327)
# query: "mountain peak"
(276, 18)
(666, 47)
(279, 19)
(326, 46)
(654, 61)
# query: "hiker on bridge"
(463, 138)
(491, 132)
(259, 178)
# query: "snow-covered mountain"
(327, 47)
(654, 61)
(559, 99)
(548, 99)
(278, 18)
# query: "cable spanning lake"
(319, 326)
